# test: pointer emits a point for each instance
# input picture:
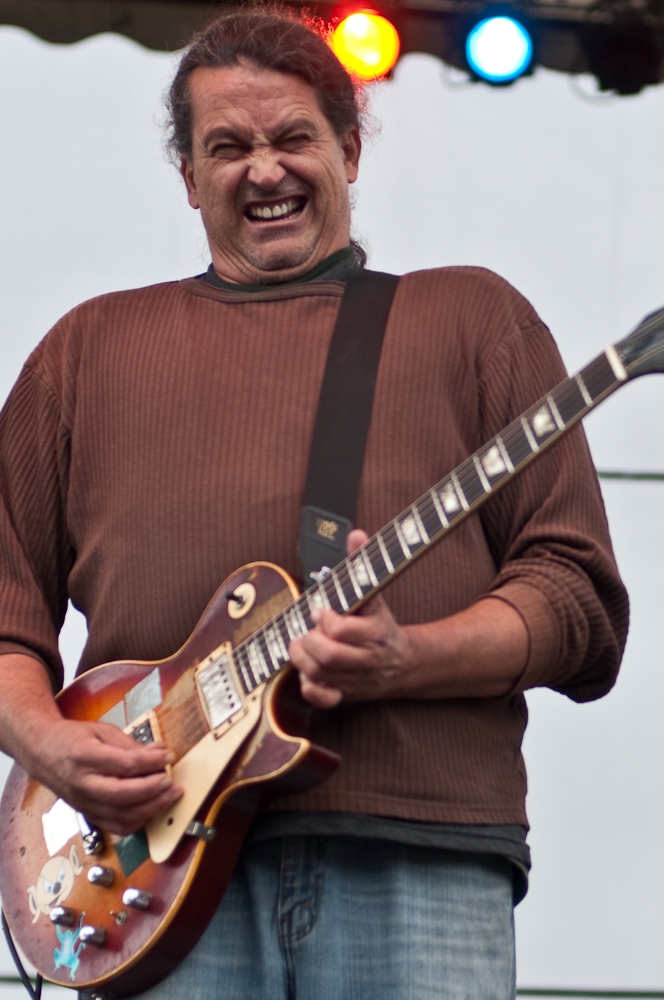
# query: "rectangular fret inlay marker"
(317, 598)
(542, 422)
(360, 571)
(449, 499)
(587, 398)
(529, 434)
(493, 462)
(556, 413)
(481, 473)
(615, 362)
(411, 531)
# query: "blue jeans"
(343, 918)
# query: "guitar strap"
(342, 421)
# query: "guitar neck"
(359, 576)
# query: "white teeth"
(276, 212)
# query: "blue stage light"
(499, 49)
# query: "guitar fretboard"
(359, 576)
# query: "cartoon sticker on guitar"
(54, 884)
(70, 947)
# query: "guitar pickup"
(218, 689)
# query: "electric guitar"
(114, 914)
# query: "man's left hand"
(361, 657)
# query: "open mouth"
(276, 211)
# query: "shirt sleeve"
(35, 551)
(548, 534)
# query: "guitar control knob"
(62, 915)
(92, 935)
(99, 875)
(139, 899)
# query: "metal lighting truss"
(620, 41)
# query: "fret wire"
(253, 646)
(529, 434)
(595, 376)
(282, 628)
(587, 398)
(368, 565)
(278, 641)
(424, 534)
(329, 586)
(342, 596)
(244, 676)
(482, 474)
(287, 625)
(383, 551)
(254, 681)
(264, 646)
(302, 610)
(393, 545)
(459, 492)
(353, 579)
(470, 482)
(504, 453)
(442, 517)
(402, 541)
(321, 591)
(377, 561)
(346, 582)
(556, 413)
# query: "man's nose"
(265, 171)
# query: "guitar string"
(467, 475)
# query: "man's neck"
(337, 267)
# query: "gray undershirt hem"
(508, 841)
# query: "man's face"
(268, 173)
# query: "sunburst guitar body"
(116, 915)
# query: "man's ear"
(351, 147)
(187, 171)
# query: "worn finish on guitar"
(143, 946)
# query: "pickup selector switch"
(138, 899)
(92, 935)
(99, 875)
(62, 915)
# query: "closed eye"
(293, 142)
(228, 151)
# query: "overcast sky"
(561, 194)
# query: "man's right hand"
(115, 782)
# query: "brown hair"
(271, 38)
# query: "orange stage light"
(366, 44)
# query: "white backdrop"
(564, 198)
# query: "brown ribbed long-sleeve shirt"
(157, 439)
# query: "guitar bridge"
(218, 689)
